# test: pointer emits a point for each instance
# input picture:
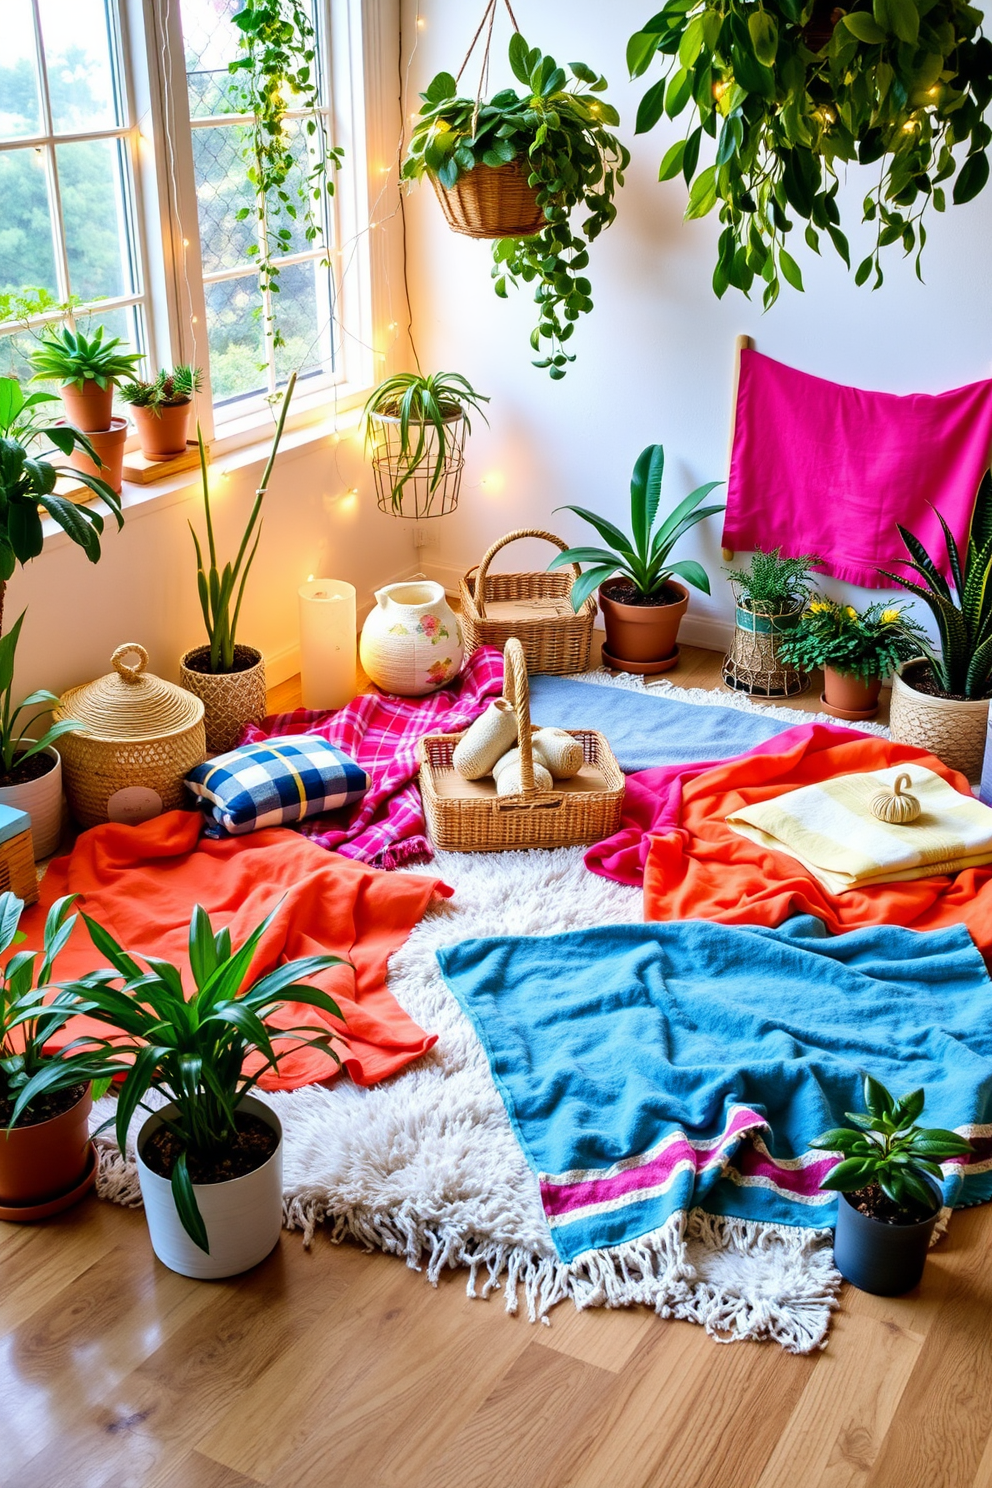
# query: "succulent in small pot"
(856, 649)
(88, 368)
(416, 427)
(46, 1162)
(161, 410)
(210, 1160)
(642, 605)
(888, 1181)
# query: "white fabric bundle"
(506, 773)
(486, 741)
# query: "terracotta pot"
(849, 694)
(952, 729)
(88, 406)
(40, 1163)
(643, 633)
(109, 445)
(42, 800)
(162, 434)
(230, 699)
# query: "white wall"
(655, 357)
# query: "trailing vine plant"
(793, 90)
(561, 129)
(278, 71)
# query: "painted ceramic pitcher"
(412, 641)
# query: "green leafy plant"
(16, 745)
(27, 1022)
(642, 559)
(423, 404)
(772, 583)
(887, 1153)
(562, 135)
(792, 91)
(193, 1049)
(867, 643)
(67, 356)
(277, 72)
(27, 481)
(222, 590)
(964, 666)
(167, 390)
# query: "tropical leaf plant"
(71, 357)
(964, 617)
(221, 590)
(643, 558)
(561, 129)
(423, 404)
(885, 1151)
(792, 92)
(191, 1048)
(166, 390)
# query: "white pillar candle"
(328, 643)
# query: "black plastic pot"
(882, 1258)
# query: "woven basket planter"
(421, 496)
(230, 699)
(536, 608)
(952, 730)
(492, 202)
(142, 736)
(753, 664)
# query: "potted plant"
(416, 428)
(210, 1159)
(229, 678)
(46, 1161)
(889, 1195)
(642, 605)
(515, 169)
(941, 702)
(856, 650)
(161, 410)
(88, 368)
(794, 92)
(770, 594)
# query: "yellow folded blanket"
(830, 829)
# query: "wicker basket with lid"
(142, 736)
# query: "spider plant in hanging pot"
(642, 604)
(228, 677)
(415, 429)
(515, 169)
(161, 410)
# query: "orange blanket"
(701, 870)
(141, 884)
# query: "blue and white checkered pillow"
(271, 784)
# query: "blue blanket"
(646, 730)
(653, 1068)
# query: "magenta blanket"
(652, 804)
(819, 468)
(381, 733)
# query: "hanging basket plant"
(515, 168)
(792, 91)
(415, 430)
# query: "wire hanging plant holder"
(415, 430)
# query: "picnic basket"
(468, 815)
(536, 608)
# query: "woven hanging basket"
(424, 493)
(230, 699)
(753, 664)
(492, 201)
(141, 738)
(534, 607)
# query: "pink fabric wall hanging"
(819, 468)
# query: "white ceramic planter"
(243, 1217)
(953, 731)
(42, 800)
(412, 641)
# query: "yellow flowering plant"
(865, 644)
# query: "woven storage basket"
(491, 202)
(230, 699)
(468, 816)
(536, 608)
(142, 735)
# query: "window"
(68, 229)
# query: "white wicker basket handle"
(482, 570)
(130, 673)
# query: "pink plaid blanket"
(381, 733)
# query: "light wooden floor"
(337, 1369)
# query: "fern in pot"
(770, 595)
(415, 428)
(641, 601)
